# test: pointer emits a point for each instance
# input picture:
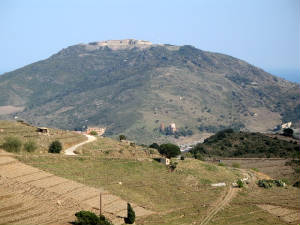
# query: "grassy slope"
(144, 181)
(26, 132)
(244, 209)
(180, 197)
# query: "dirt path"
(228, 197)
(70, 151)
(29, 195)
(223, 201)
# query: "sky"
(265, 33)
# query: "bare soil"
(31, 196)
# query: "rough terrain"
(32, 196)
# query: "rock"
(59, 203)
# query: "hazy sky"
(262, 32)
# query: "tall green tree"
(130, 215)
(169, 150)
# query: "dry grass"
(147, 183)
(244, 208)
(110, 148)
(26, 132)
(275, 168)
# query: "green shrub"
(90, 218)
(132, 144)
(12, 144)
(199, 156)
(30, 146)
(87, 218)
(264, 184)
(236, 165)
(130, 215)
(240, 183)
(221, 164)
(255, 169)
(270, 183)
(173, 165)
(55, 147)
(288, 132)
(94, 133)
(122, 137)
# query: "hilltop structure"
(100, 130)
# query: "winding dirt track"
(223, 201)
(228, 197)
(70, 151)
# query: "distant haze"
(290, 75)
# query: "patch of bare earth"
(31, 196)
(287, 215)
(261, 120)
(9, 109)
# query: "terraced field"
(31, 196)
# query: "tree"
(288, 132)
(240, 183)
(12, 144)
(55, 147)
(130, 215)
(154, 145)
(94, 133)
(122, 137)
(169, 150)
(30, 146)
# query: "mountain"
(132, 86)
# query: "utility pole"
(100, 207)
(100, 204)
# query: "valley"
(65, 184)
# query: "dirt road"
(226, 199)
(70, 151)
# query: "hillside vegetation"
(133, 89)
(229, 143)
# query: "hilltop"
(131, 87)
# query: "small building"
(43, 130)
(172, 128)
(100, 130)
(162, 127)
(286, 125)
(165, 161)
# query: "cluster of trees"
(269, 183)
(230, 143)
(168, 150)
(90, 218)
(14, 144)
